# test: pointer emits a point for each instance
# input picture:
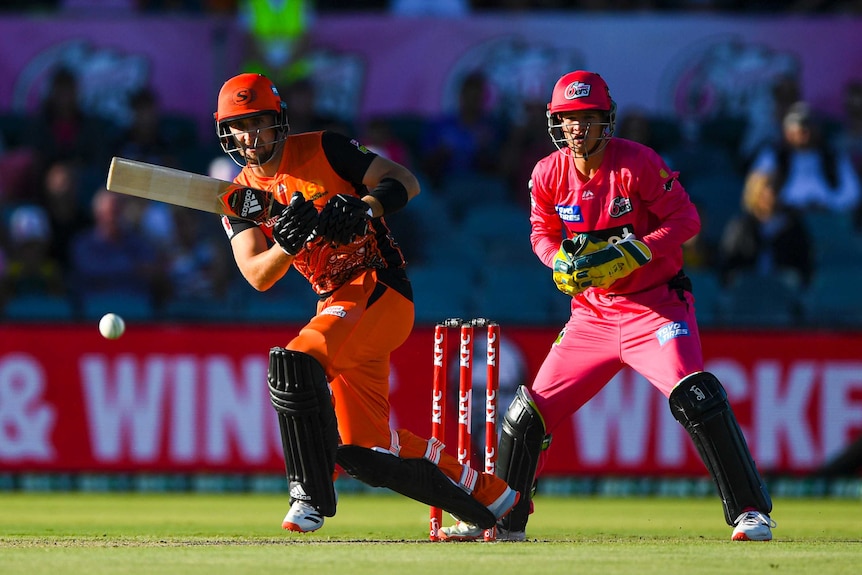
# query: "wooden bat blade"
(190, 190)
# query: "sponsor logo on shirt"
(360, 147)
(569, 213)
(588, 195)
(671, 331)
(336, 310)
(620, 206)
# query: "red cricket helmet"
(244, 96)
(580, 90)
(576, 91)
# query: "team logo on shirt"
(671, 331)
(620, 206)
(569, 213)
(668, 185)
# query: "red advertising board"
(169, 398)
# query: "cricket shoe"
(753, 526)
(463, 531)
(303, 518)
(506, 535)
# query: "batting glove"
(343, 218)
(564, 261)
(603, 267)
(296, 224)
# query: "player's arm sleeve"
(546, 228)
(348, 158)
(233, 225)
(668, 202)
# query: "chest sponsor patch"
(569, 213)
(671, 331)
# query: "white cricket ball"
(111, 326)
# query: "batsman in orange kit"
(330, 384)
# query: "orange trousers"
(353, 341)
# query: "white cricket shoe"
(463, 531)
(302, 517)
(753, 526)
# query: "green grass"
(77, 533)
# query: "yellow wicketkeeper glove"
(591, 262)
(564, 267)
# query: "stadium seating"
(126, 305)
(442, 290)
(833, 300)
(39, 308)
(761, 300)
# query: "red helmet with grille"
(244, 96)
(580, 90)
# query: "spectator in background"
(30, 270)
(850, 135)
(223, 168)
(810, 174)
(466, 140)
(111, 257)
(144, 139)
(300, 97)
(424, 8)
(60, 196)
(699, 252)
(277, 38)
(768, 106)
(197, 266)
(64, 130)
(380, 139)
(767, 237)
(849, 139)
(634, 125)
(526, 143)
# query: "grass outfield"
(94, 534)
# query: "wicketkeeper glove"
(296, 224)
(595, 263)
(343, 218)
(605, 266)
(564, 267)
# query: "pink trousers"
(653, 332)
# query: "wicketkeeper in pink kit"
(623, 216)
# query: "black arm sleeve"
(348, 158)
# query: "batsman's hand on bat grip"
(564, 268)
(343, 218)
(603, 267)
(295, 225)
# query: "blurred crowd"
(451, 7)
(778, 192)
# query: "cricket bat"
(190, 190)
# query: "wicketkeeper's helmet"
(580, 90)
